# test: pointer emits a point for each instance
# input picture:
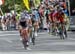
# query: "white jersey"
(25, 17)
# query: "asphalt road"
(10, 42)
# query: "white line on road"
(6, 39)
(9, 41)
(57, 43)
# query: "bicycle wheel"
(61, 32)
(33, 38)
(61, 35)
(25, 43)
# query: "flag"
(1, 2)
(26, 3)
(36, 3)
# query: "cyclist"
(51, 19)
(60, 22)
(24, 30)
(3, 23)
(8, 21)
(41, 13)
(47, 11)
(36, 19)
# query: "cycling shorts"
(23, 24)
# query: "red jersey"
(51, 16)
(59, 17)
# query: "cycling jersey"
(25, 15)
(24, 18)
(59, 17)
(36, 15)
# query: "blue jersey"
(36, 15)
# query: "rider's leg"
(30, 34)
(36, 28)
(25, 37)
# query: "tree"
(12, 5)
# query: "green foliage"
(9, 5)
